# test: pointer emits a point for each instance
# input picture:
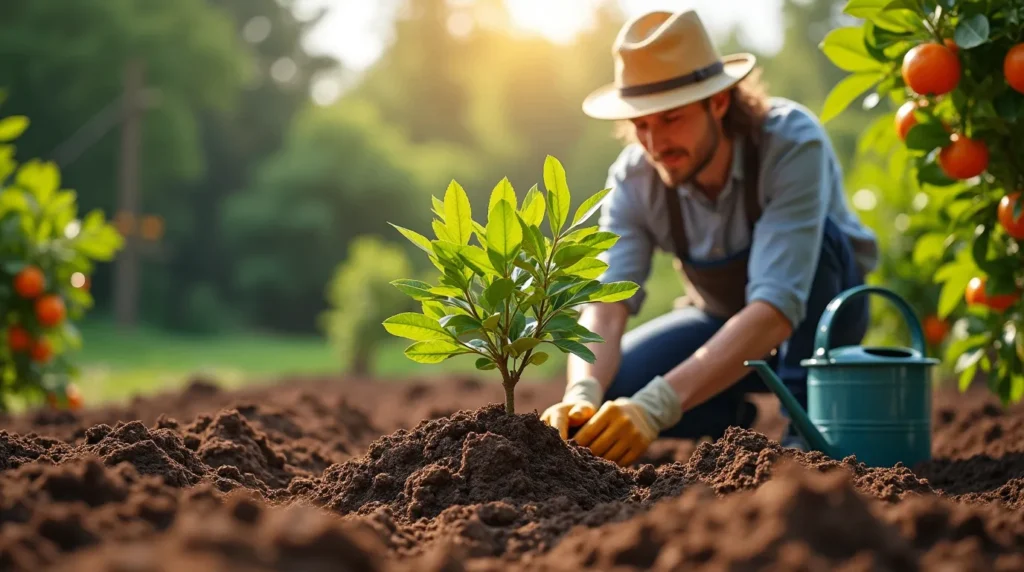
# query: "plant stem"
(510, 398)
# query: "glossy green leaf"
(416, 238)
(538, 358)
(845, 48)
(503, 191)
(504, 235)
(520, 346)
(558, 197)
(846, 91)
(533, 207)
(458, 214)
(575, 348)
(415, 327)
(433, 351)
(485, 364)
(927, 136)
(589, 207)
(12, 127)
(971, 31)
(613, 292)
(498, 291)
(416, 289)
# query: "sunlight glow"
(557, 21)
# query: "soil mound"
(242, 534)
(503, 484)
(801, 519)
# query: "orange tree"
(47, 256)
(954, 71)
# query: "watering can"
(872, 402)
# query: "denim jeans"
(659, 345)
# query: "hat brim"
(606, 103)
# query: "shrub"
(47, 256)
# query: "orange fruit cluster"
(30, 284)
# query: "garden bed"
(357, 475)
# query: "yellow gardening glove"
(623, 429)
(578, 404)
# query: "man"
(747, 192)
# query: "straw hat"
(664, 60)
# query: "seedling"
(515, 292)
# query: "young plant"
(955, 69)
(515, 292)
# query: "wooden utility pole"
(126, 279)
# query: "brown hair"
(747, 109)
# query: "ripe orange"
(50, 310)
(951, 44)
(42, 351)
(931, 69)
(1014, 226)
(1013, 67)
(935, 329)
(964, 157)
(30, 282)
(975, 296)
(905, 119)
(18, 339)
(75, 400)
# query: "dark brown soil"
(359, 475)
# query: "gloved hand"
(578, 404)
(623, 429)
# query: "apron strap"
(751, 167)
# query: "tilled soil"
(362, 475)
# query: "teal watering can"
(872, 402)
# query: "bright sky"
(357, 31)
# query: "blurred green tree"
(361, 297)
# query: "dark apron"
(717, 288)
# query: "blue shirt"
(801, 183)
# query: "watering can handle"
(822, 339)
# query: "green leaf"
(504, 235)
(498, 291)
(931, 174)
(929, 248)
(846, 91)
(458, 214)
(522, 345)
(441, 231)
(952, 293)
(416, 238)
(416, 289)
(587, 268)
(433, 351)
(42, 179)
(533, 207)
(570, 254)
(533, 241)
(911, 5)
(485, 364)
(613, 292)
(415, 327)
(589, 207)
(600, 240)
(845, 48)
(433, 309)
(12, 127)
(491, 321)
(503, 191)
(558, 193)
(538, 358)
(927, 136)
(971, 31)
(476, 259)
(438, 207)
(446, 291)
(575, 348)
(460, 323)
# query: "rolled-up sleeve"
(788, 236)
(630, 257)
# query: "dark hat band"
(673, 83)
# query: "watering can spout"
(799, 416)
